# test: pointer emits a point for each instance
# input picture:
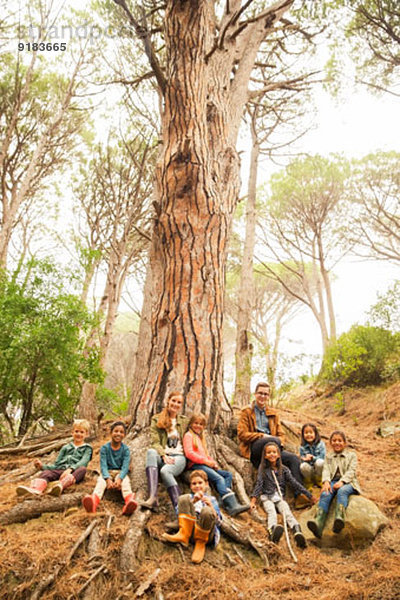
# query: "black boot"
(232, 506)
(152, 483)
(299, 536)
(275, 533)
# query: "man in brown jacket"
(259, 424)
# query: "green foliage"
(110, 402)
(42, 338)
(386, 312)
(364, 355)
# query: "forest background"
(81, 138)
(170, 219)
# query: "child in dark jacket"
(312, 455)
(69, 467)
(270, 473)
(114, 466)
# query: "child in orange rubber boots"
(198, 514)
(114, 466)
(69, 467)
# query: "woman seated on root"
(166, 453)
(195, 448)
(198, 514)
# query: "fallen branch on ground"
(31, 509)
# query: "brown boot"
(201, 539)
(186, 523)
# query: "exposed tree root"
(31, 509)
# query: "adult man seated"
(259, 424)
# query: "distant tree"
(42, 339)
(375, 215)
(374, 33)
(114, 196)
(305, 230)
(38, 120)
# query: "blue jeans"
(167, 472)
(221, 480)
(342, 494)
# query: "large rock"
(363, 521)
(388, 428)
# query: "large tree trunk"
(197, 188)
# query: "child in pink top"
(195, 448)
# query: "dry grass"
(31, 551)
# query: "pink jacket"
(194, 452)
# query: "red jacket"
(195, 455)
(247, 428)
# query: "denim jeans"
(342, 494)
(167, 472)
(220, 479)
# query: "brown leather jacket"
(247, 428)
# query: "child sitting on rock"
(312, 455)
(270, 487)
(198, 514)
(339, 479)
(114, 466)
(69, 467)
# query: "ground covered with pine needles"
(38, 548)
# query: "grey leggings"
(282, 507)
(167, 472)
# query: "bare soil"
(31, 551)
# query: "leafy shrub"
(364, 355)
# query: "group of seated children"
(178, 444)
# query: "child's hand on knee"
(338, 485)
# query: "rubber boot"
(299, 536)
(340, 515)
(200, 541)
(186, 524)
(174, 493)
(275, 533)
(130, 505)
(152, 484)
(36, 488)
(58, 488)
(232, 506)
(318, 523)
(90, 503)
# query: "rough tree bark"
(205, 90)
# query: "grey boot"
(152, 483)
(232, 506)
